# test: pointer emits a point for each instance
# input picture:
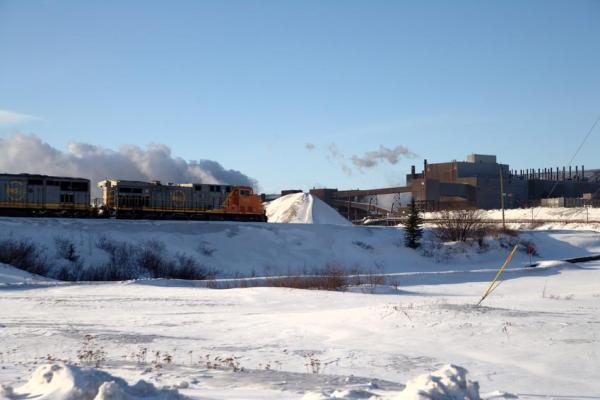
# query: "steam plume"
(373, 158)
(29, 154)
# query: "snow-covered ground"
(544, 218)
(12, 276)
(536, 336)
(258, 249)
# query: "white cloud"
(8, 117)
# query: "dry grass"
(332, 278)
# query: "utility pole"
(349, 216)
(587, 213)
(531, 215)
(502, 198)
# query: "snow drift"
(449, 382)
(61, 381)
(10, 275)
(303, 208)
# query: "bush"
(122, 261)
(150, 258)
(65, 249)
(186, 267)
(460, 226)
(147, 259)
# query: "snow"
(303, 208)
(10, 275)
(263, 249)
(537, 334)
(59, 381)
(449, 382)
(545, 218)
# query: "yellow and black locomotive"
(42, 195)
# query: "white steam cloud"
(29, 154)
(372, 158)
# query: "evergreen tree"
(412, 227)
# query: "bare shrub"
(370, 281)
(121, 265)
(24, 255)
(460, 226)
(65, 249)
(149, 258)
(91, 353)
(331, 277)
(186, 267)
(223, 363)
(316, 366)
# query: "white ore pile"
(303, 208)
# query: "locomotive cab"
(243, 200)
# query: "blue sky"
(250, 83)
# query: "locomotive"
(154, 200)
(42, 195)
(27, 194)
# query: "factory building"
(476, 182)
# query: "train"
(54, 196)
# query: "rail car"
(56, 196)
(43, 195)
(154, 200)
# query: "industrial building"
(476, 182)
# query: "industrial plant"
(478, 182)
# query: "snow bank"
(60, 381)
(11, 276)
(572, 218)
(303, 208)
(263, 249)
(448, 383)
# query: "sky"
(303, 94)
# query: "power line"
(586, 137)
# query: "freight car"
(43, 195)
(153, 200)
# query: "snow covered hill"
(10, 275)
(303, 208)
(259, 249)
